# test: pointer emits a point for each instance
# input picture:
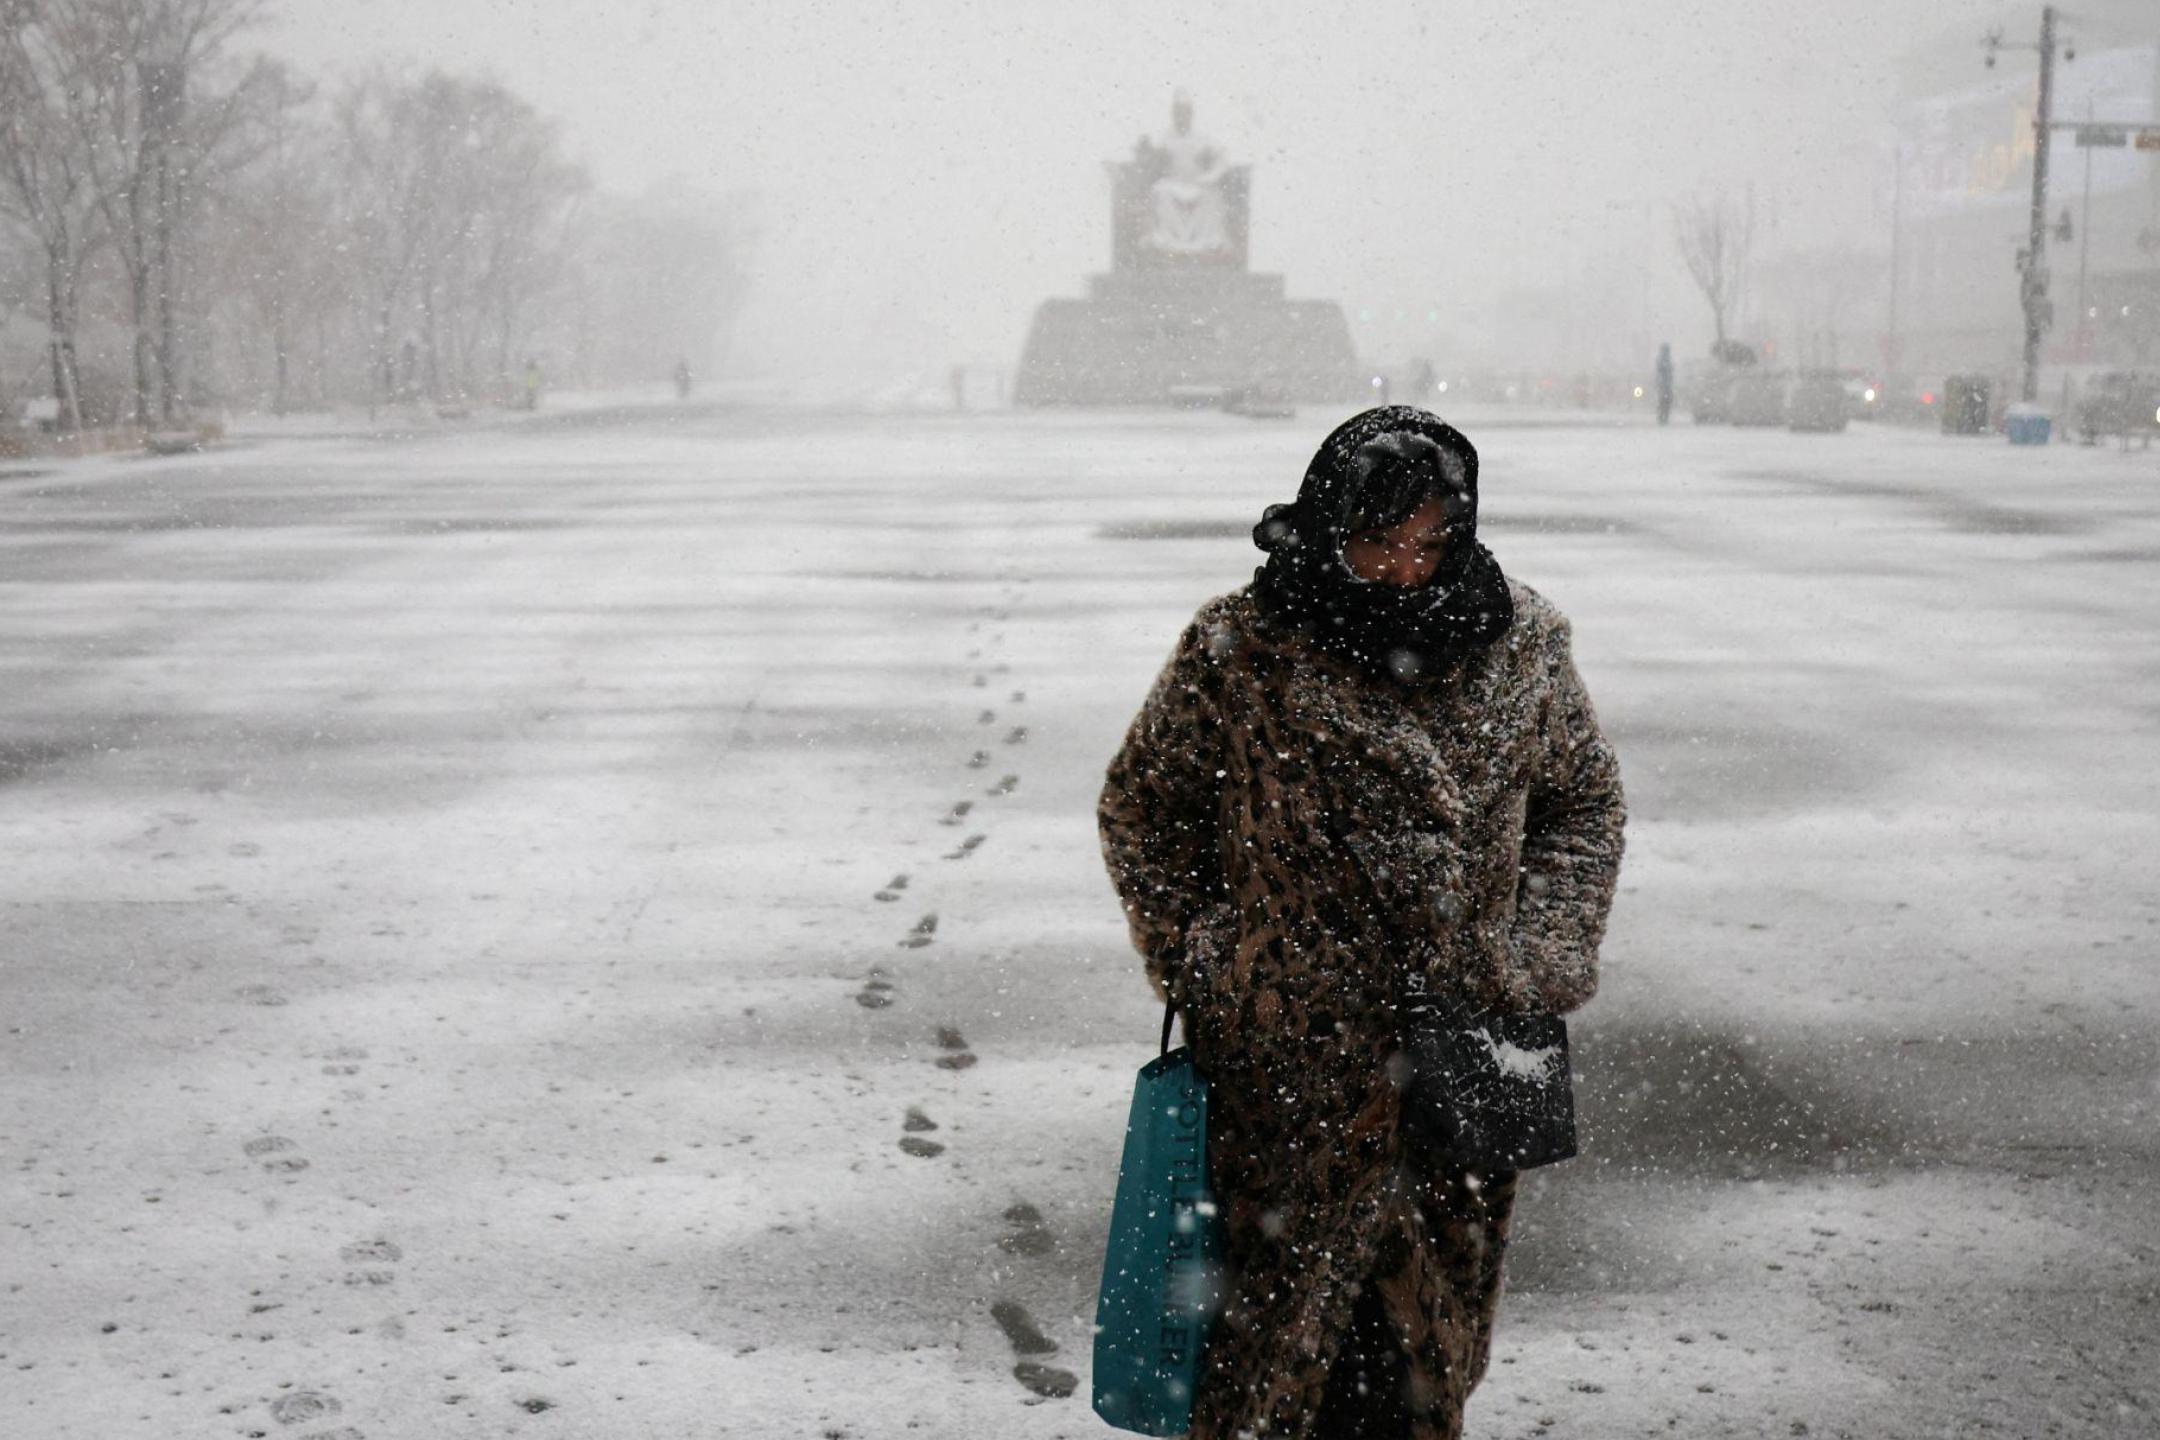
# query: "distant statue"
(1187, 197)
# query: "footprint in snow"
(1019, 734)
(957, 1056)
(987, 717)
(1021, 1331)
(920, 934)
(344, 1060)
(967, 847)
(916, 1124)
(920, 1148)
(958, 812)
(1027, 1338)
(271, 995)
(301, 1406)
(1029, 1235)
(1046, 1380)
(1006, 786)
(1018, 696)
(980, 681)
(876, 993)
(979, 759)
(277, 1148)
(892, 889)
(370, 1257)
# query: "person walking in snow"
(1373, 767)
(1664, 384)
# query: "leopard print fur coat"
(1291, 839)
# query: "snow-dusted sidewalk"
(595, 928)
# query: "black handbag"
(1487, 1092)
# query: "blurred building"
(1960, 186)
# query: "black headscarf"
(1372, 473)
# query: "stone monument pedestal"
(1142, 337)
(1179, 318)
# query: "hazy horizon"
(920, 179)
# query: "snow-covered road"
(594, 928)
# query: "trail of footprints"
(1029, 1237)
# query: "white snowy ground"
(447, 989)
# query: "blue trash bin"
(2027, 425)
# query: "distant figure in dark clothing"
(682, 379)
(1664, 384)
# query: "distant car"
(1894, 398)
(2122, 403)
(1757, 397)
(1261, 400)
(1818, 401)
(1710, 393)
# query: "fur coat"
(1291, 839)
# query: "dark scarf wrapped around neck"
(1410, 633)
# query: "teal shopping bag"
(1162, 1272)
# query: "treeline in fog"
(188, 224)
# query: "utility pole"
(2032, 260)
(1893, 346)
(2035, 288)
(2084, 240)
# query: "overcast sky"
(925, 172)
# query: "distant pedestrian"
(1664, 384)
(531, 397)
(1373, 771)
(682, 379)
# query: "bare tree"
(387, 175)
(46, 185)
(1819, 288)
(1716, 234)
(456, 195)
(504, 191)
(273, 246)
(144, 132)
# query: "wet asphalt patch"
(1241, 530)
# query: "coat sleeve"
(1572, 841)
(1160, 813)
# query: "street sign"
(2104, 137)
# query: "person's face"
(1405, 554)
